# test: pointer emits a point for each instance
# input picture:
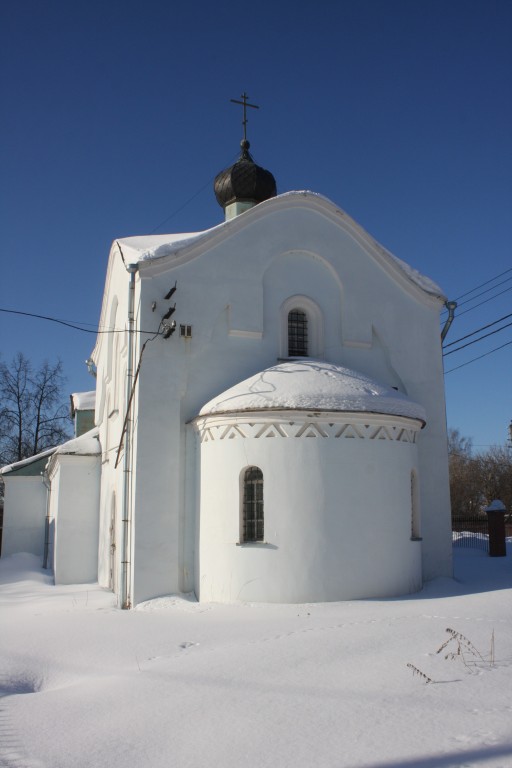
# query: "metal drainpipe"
(47, 485)
(125, 592)
(451, 306)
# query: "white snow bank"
(307, 384)
(22, 566)
(86, 685)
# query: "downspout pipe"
(125, 597)
(47, 485)
(451, 306)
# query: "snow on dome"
(312, 385)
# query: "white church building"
(269, 416)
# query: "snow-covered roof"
(147, 248)
(313, 385)
(83, 401)
(87, 444)
(26, 462)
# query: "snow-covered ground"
(177, 683)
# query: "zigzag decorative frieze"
(315, 429)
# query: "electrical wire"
(190, 199)
(486, 354)
(130, 399)
(475, 341)
(64, 322)
(482, 293)
(459, 314)
(483, 328)
(463, 295)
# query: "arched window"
(297, 333)
(252, 505)
(301, 328)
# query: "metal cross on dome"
(245, 104)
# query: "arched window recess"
(252, 526)
(301, 328)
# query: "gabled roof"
(178, 247)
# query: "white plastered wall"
(74, 511)
(337, 509)
(24, 515)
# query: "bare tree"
(464, 484)
(458, 445)
(475, 480)
(33, 415)
(495, 474)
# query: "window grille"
(297, 333)
(252, 517)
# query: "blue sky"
(117, 116)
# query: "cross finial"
(245, 104)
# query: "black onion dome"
(244, 181)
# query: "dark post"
(496, 517)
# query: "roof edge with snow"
(16, 465)
(87, 444)
(153, 251)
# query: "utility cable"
(485, 301)
(475, 341)
(462, 296)
(487, 290)
(479, 357)
(491, 280)
(190, 199)
(64, 322)
(128, 407)
(483, 328)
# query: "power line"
(487, 290)
(483, 302)
(482, 284)
(181, 207)
(475, 341)
(479, 357)
(190, 199)
(64, 322)
(483, 328)
(491, 280)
